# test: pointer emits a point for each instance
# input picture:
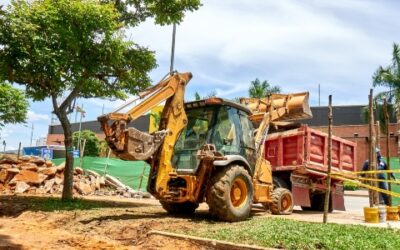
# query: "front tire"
(282, 201)
(230, 195)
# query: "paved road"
(355, 203)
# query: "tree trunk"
(69, 159)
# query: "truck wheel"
(230, 194)
(186, 207)
(278, 182)
(282, 201)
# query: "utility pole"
(32, 134)
(319, 94)
(173, 48)
(328, 180)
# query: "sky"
(295, 44)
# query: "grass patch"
(13, 205)
(289, 234)
(54, 204)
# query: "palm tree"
(197, 96)
(262, 89)
(389, 76)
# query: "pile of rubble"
(34, 175)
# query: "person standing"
(381, 165)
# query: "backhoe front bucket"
(281, 107)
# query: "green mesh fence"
(395, 164)
(131, 173)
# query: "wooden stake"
(19, 150)
(373, 196)
(378, 134)
(328, 181)
(82, 153)
(141, 177)
(386, 113)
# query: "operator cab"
(215, 121)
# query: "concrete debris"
(21, 187)
(34, 175)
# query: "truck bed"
(306, 149)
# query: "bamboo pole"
(141, 177)
(386, 113)
(373, 196)
(378, 134)
(328, 181)
(82, 153)
(19, 150)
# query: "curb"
(360, 193)
(214, 244)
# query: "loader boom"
(132, 144)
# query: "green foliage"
(350, 186)
(156, 118)
(92, 146)
(211, 94)
(71, 46)
(389, 77)
(13, 105)
(197, 96)
(164, 12)
(289, 234)
(379, 114)
(103, 148)
(262, 89)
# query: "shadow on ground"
(6, 242)
(13, 205)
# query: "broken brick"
(49, 171)
(27, 176)
(21, 187)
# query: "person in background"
(380, 165)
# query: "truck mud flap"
(301, 190)
(338, 197)
(301, 196)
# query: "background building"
(348, 123)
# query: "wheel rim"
(286, 202)
(238, 192)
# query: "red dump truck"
(299, 159)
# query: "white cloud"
(5, 132)
(33, 116)
(295, 44)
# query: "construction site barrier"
(132, 173)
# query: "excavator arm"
(132, 144)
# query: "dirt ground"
(118, 224)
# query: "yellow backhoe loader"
(206, 151)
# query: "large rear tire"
(230, 195)
(282, 201)
(184, 208)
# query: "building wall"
(360, 135)
(58, 139)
